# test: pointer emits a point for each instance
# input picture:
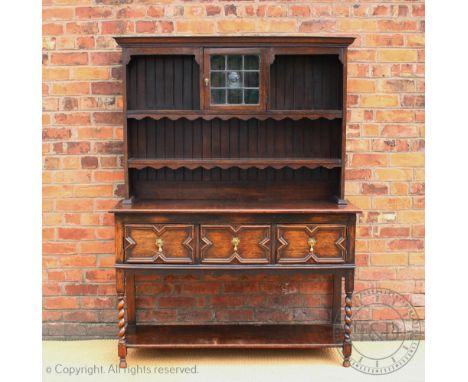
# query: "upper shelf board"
(245, 163)
(273, 114)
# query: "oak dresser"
(234, 161)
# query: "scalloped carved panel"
(303, 244)
(209, 164)
(218, 244)
(272, 114)
(159, 243)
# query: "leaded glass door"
(234, 79)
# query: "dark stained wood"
(269, 215)
(299, 243)
(232, 268)
(233, 207)
(164, 243)
(121, 322)
(225, 192)
(130, 294)
(347, 343)
(306, 81)
(240, 114)
(122, 344)
(163, 82)
(244, 41)
(236, 184)
(234, 188)
(127, 191)
(119, 251)
(302, 139)
(341, 195)
(233, 336)
(223, 163)
(230, 244)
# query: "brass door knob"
(311, 242)
(235, 242)
(207, 81)
(160, 244)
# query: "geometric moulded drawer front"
(311, 243)
(159, 243)
(235, 244)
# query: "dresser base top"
(233, 206)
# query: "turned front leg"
(121, 293)
(347, 344)
(122, 347)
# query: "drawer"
(229, 244)
(159, 243)
(308, 244)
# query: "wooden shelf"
(243, 115)
(136, 268)
(232, 206)
(243, 163)
(233, 336)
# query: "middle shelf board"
(243, 163)
(243, 115)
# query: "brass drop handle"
(311, 243)
(235, 242)
(160, 244)
(207, 81)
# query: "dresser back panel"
(306, 82)
(165, 82)
(235, 184)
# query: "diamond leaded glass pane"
(235, 79)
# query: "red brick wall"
(83, 151)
